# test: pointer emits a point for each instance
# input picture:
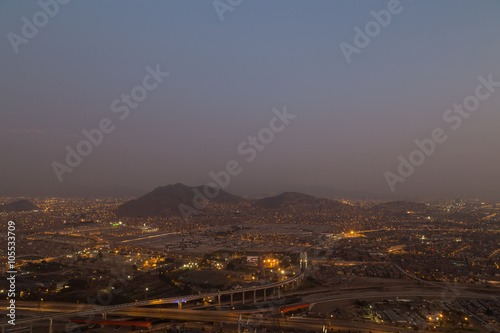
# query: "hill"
(285, 200)
(165, 200)
(18, 206)
(294, 207)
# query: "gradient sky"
(353, 120)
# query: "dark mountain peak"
(165, 200)
(286, 199)
(18, 206)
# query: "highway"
(232, 316)
(86, 311)
(252, 321)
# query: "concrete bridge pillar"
(243, 298)
(218, 298)
(231, 299)
(103, 315)
(50, 325)
(179, 304)
(255, 295)
(264, 294)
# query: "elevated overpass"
(104, 310)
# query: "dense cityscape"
(385, 266)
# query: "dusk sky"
(353, 118)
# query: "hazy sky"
(352, 120)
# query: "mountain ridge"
(166, 200)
